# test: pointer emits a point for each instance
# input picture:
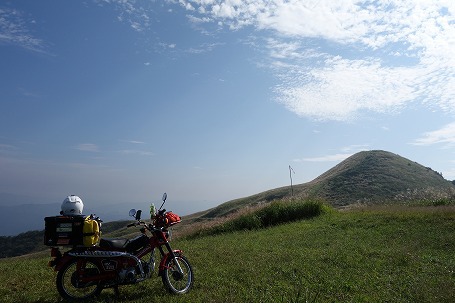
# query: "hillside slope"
(379, 176)
(371, 177)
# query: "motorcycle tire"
(175, 282)
(67, 284)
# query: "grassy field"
(399, 254)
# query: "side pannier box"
(64, 230)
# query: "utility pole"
(290, 177)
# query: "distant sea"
(16, 219)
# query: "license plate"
(64, 227)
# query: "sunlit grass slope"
(364, 255)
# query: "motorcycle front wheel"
(173, 280)
(71, 288)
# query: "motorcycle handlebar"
(150, 227)
(135, 223)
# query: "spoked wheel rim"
(178, 283)
(69, 285)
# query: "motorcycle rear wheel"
(175, 282)
(68, 285)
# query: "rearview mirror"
(132, 212)
(164, 197)
(138, 214)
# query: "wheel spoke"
(178, 282)
(70, 285)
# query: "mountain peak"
(379, 176)
(370, 177)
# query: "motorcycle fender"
(61, 261)
(176, 252)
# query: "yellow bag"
(91, 232)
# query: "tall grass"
(274, 213)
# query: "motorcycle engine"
(127, 275)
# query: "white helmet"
(72, 206)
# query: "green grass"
(363, 255)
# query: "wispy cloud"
(355, 148)
(341, 88)
(137, 16)
(7, 149)
(445, 136)
(345, 152)
(402, 50)
(15, 30)
(88, 147)
(379, 56)
(326, 158)
(203, 48)
(135, 142)
(136, 152)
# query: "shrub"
(275, 213)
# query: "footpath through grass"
(376, 255)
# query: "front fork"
(171, 254)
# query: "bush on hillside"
(275, 213)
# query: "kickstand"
(116, 291)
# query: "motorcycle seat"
(113, 243)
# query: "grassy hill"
(375, 254)
(378, 176)
(368, 177)
(391, 251)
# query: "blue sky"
(119, 101)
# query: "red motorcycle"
(83, 272)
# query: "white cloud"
(380, 55)
(8, 150)
(355, 148)
(14, 29)
(130, 12)
(89, 147)
(6, 147)
(337, 60)
(342, 88)
(136, 152)
(329, 19)
(203, 48)
(326, 158)
(345, 152)
(445, 135)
